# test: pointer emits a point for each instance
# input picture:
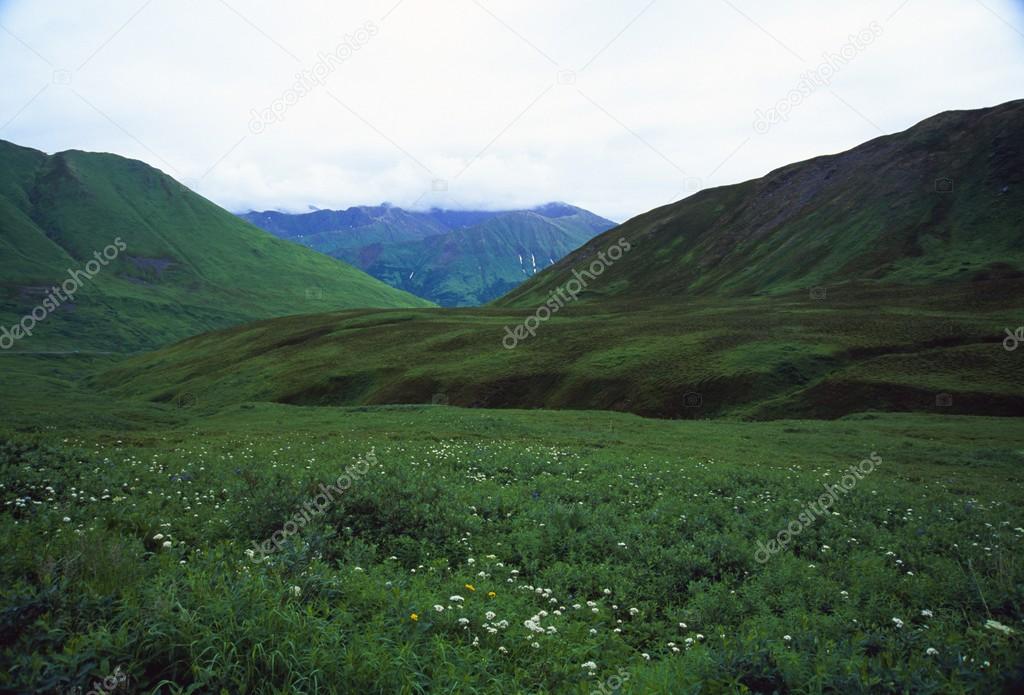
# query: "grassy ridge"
(189, 266)
(859, 349)
(942, 202)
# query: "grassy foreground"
(511, 552)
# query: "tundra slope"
(712, 311)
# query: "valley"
(233, 464)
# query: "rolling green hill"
(181, 264)
(942, 202)
(451, 257)
(844, 284)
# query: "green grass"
(863, 348)
(665, 516)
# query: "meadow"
(485, 551)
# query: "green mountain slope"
(941, 202)
(727, 304)
(453, 258)
(469, 267)
(186, 264)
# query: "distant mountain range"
(451, 257)
(182, 265)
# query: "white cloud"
(467, 92)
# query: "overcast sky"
(616, 106)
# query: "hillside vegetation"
(839, 285)
(186, 266)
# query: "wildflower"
(634, 611)
(535, 645)
(158, 537)
(931, 651)
(646, 656)
(470, 587)
(682, 625)
(607, 592)
(463, 621)
(297, 590)
(490, 615)
(897, 622)
(439, 608)
(589, 665)
(503, 650)
(788, 638)
(996, 625)
(455, 599)
(414, 617)
(167, 544)
(67, 519)
(491, 594)
(926, 613)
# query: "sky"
(617, 107)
